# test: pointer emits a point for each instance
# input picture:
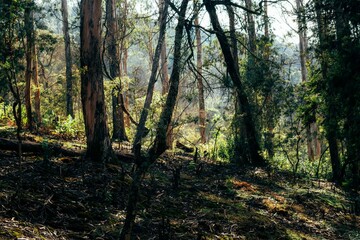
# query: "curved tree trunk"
(140, 130)
(92, 85)
(252, 143)
(159, 145)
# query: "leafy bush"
(69, 128)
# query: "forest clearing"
(179, 119)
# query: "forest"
(179, 119)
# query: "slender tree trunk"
(163, 57)
(165, 77)
(253, 145)
(140, 131)
(69, 78)
(238, 122)
(125, 93)
(29, 26)
(269, 135)
(35, 78)
(124, 58)
(159, 145)
(92, 85)
(313, 142)
(112, 48)
(251, 30)
(200, 85)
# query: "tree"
(163, 58)
(141, 129)
(313, 143)
(200, 85)
(165, 76)
(330, 123)
(112, 48)
(252, 143)
(30, 41)
(143, 162)
(338, 84)
(69, 78)
(11, 57)
(92, 85)
(269, 112)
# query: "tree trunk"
(140, 130)
(119, 132)
(200, 85)
(251, 29)
(252, 143)
(35, 78)
(330, 121)
(125, 93)
(69, 78)
(240, 153)
(269, 134)
(351, 97)
(165, 77)
(159, 145)
(124, 59)
(29, 29)
(92, 85)
(252, 62)
(68, 59)
(313, 143)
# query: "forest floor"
(59, 197)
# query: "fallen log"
(41, 149)
(184, 147)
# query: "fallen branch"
(41, 149)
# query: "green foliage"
(70, 128)
(5, 113)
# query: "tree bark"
(35, 78)
(39, 148)
(240, 153)
(29, 29)
(165, 77)
(140, 130)
(200, 85)
(251, 29)
(159, 145)
(92, 85)
(125, 94)
(163, 58)
(269, 134)
(112, 48)
(252, 144)
(68, 59)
